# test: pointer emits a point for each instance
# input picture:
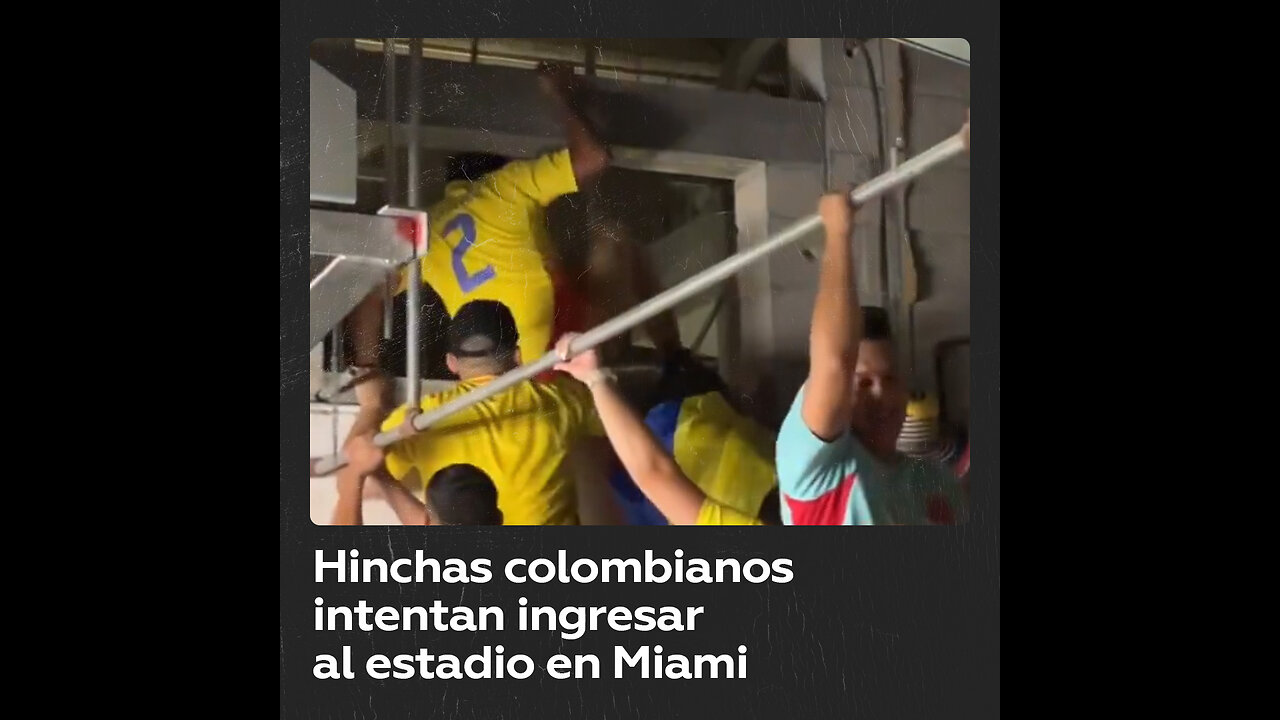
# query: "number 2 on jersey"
(467, 281)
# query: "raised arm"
(363, 459)
(836, 328)
(373, 391)
(587, 152)
(654, 471)
(621, 276)
(350, 507)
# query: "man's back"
(489, 241)
(519, 437)
(725, 454)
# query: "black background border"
(879, 623)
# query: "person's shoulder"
(560, 382)
(571, 400)
(426, 403)
(541, 179)
(714, 407)
(793, 428)
(394, 419)
(554, 157)
(444, 395)
(710, 404)
(560, 389)
(433, 400)
(522, 169)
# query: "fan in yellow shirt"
(489, 239)
(727, 455)
(652, 468)
(522, 438)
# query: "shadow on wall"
(646, 205)
(790, 368)
(617, 115)
(951, 368)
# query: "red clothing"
(571, 306)
(570, 311)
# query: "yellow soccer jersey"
(489, 241)
(713, 513)
(728, 456)
(520, 437)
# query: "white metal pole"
(907, 171)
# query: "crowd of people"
(568, 447)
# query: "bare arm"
(350, 508)
(364, 325)
(363, 459)
(587, 152)
(408, 508)
(653, 470)
(836, 328)
(622, 277)
(369, 417)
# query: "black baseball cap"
(483, 328)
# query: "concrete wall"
(329, 425)
(938, 210)
(507, 103)
(939, 220)
(687, 251)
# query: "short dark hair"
(483, 329)
(875, 323)
(472, 166)
(463, 495)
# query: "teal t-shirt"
(841, 483)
